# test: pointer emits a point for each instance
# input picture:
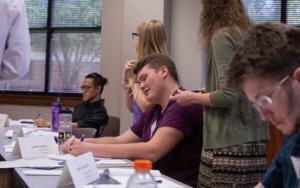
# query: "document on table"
(9, 133)
(38, 132)
(163, 183)
(112, 172)
(22, 123)
(107, 162)
(41, 163)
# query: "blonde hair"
(152, 38)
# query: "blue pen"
(82, 138)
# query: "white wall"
(120, 18)
(186, 48)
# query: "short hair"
(270, 50)
(156, 61)
(98, 80)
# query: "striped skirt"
(234, 166)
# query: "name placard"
(79, 171)
(35, 147)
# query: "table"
(10, 178)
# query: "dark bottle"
(55, 108)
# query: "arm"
(186, 98)
(140, 99)
(42, 123)
(127, 82)
(16, 53)
(126, 137)
(128, 98)
(152, 150)
(223, 47)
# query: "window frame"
(45, 98)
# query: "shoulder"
(184, 113)
(232, 35)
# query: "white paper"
(296, 164)
(165, 183)
(106, 163)
(112, 172)
(127, 172)
(35, 147)
(9, 133)
(38, 132)
(62, 157)
(20, 123)
(80, 170)
(33, 163)
(42, 172)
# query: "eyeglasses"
(265, 101)
(85, 88)
(134, 35)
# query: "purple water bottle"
(56, 106)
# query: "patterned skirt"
(234, 166)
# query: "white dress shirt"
(14, 40)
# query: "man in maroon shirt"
(169, 134)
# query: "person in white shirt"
(14, 40)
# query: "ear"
(296, 75)
(98, 89)
(164, 71)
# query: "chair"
(112, 128)
(87, 132)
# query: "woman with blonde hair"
(234, 148)
(149, 38)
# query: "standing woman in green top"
(234, 147)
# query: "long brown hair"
(216, 14)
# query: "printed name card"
(79, 171)
(35, 147)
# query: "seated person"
(267, 68)
(170, 135)
(90, 113)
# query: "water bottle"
(142, 177)
(56, 106)
(65, 128)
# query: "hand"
(259, 185)
(67, 145)
(78, 148)
(41, 122)
(203, 90)
(128, 69)
(184, 98)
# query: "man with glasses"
(90, 113)
(267, 68)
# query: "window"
(286, 11)
(65, 42)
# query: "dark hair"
(217, 14)
(156, 61)
(270, 50)
(98, 80)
